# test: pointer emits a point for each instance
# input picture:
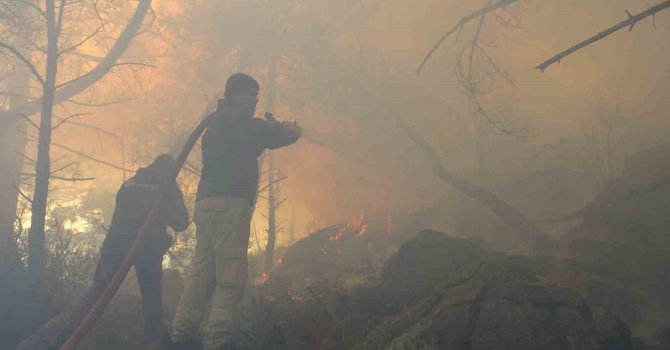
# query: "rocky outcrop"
(450, 294)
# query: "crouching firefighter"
(231, 145)
(133, 203)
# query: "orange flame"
(363, 230)
(357, 223)
(338, 235)
(262, 279)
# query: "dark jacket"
(230, 149)
(134, 201)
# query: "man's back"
(134, 201)
(230, 150)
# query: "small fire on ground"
(356, 224)
(262, 279)
(359, 226)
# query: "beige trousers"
(219, 271)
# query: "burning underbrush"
(349, 255)
(375, 283)
(435, 292)
(362, 286)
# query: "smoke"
(346, 71)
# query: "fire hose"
(128, 261)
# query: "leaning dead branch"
(630, 23)
(505, 212)
(492, 6)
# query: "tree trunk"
(272, 212)
(272, 195)
(532, 235)
(36, 239)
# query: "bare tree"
(604, 130)
(273, 178)
(272, 214)
(60, 31)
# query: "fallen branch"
(630, 23)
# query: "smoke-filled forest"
(359, 174)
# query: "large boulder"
(455, 295)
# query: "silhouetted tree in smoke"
(57, 32)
